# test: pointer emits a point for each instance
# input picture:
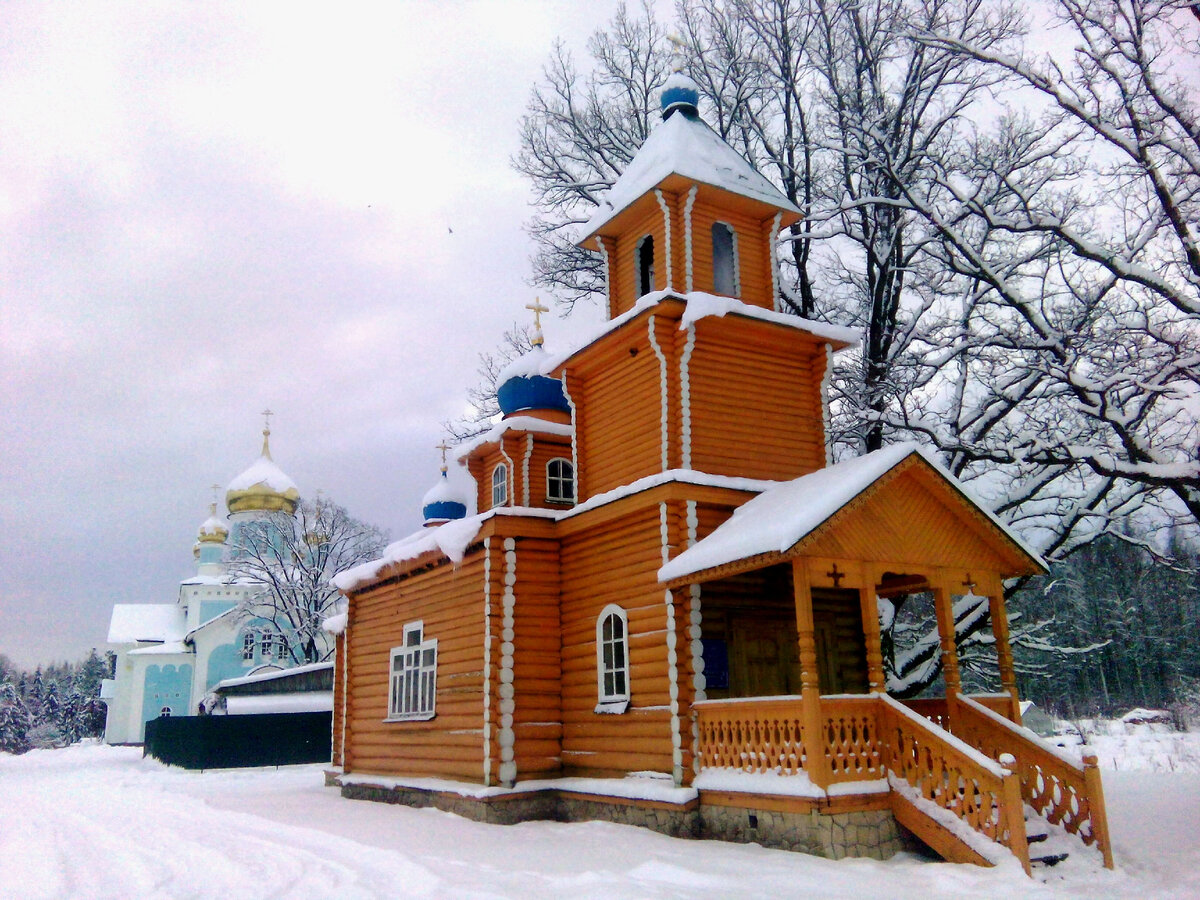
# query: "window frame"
(559, 480)
(612, 701)
(249, 642)
(734, 287)
(500, 484)
(412, 689)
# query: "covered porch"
(794, 681)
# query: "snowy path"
(98, 821)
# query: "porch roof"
(768, 529)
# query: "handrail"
(1065, 792)
(954, 776)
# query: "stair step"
(1036, 832)
(1047, 859)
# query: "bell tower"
(688, 215)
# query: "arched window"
(165, 712)
(724, 254)
(612, 660)
(248, 643)
(645, 265)
(500, 485)
(560, 481)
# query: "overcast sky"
(209, 209)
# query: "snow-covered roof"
(453, 538)
(273, 675)
(684, 145)
(214, 524)
(258, 704)
(263, 471)
(512, 423)
(701, 305)
(134, 622)
(169, 648)
(778, 518)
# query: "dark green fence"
(226, 742)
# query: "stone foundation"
(872, 833)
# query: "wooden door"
(764, 658)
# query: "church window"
(560, 481)
(500, 485)
(612, 660)
(165, 712)
(248, 643)
(412, 688)
(268, 644)
(645, 265)
(724, 251)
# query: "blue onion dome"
(680, 93)
(442, 503)
(523, 387)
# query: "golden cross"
(443, 446)
(537, 308)
(678, 53)
(266, 414)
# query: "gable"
(915, 517)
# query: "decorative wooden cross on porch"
(836, 575)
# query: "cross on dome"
(537, 307)
(444, 447)
(266, 450)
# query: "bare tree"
(294, 559)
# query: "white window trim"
(503, 483)
(419, 647)
(616, 702)
(551, 497)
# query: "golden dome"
(213, 530)
(264, 487)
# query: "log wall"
(756, 408)
(450, 745)
(537, 661)
(616, 562)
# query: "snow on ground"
(98, 821)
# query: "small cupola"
(443, 502)
(210, 546)
(521, 386)
(680, 94)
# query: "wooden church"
(666, 611)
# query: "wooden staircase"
(1054, 790)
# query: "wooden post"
(1095, 800)
(810, 688)
(1014, 812)
(943, 605)
(869, 605)
(1004, 657)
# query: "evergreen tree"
(14, 721)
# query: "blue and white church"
(169, 656)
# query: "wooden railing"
(753, 735)
(1058, 788)
(954, 777)
(852, 739)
